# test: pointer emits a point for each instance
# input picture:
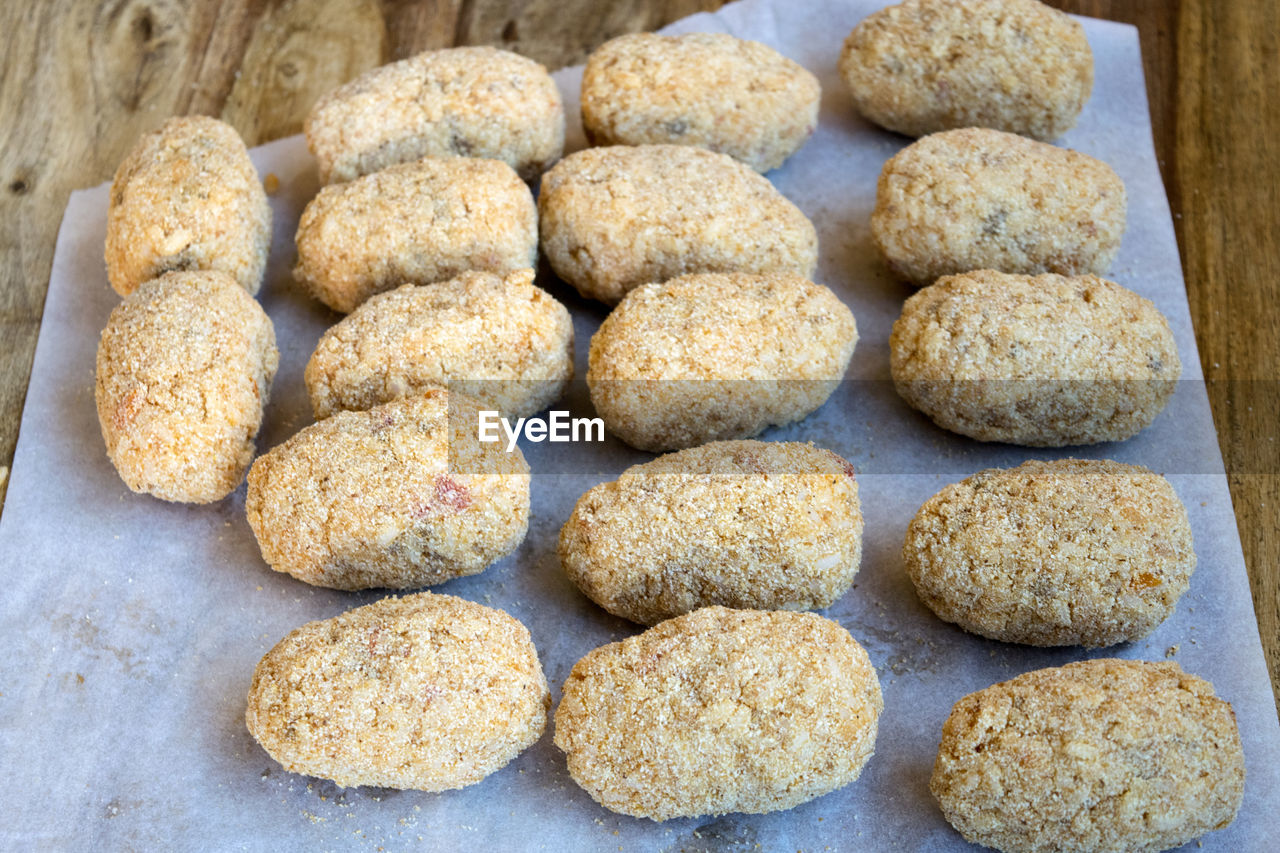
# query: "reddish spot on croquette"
(452, 494)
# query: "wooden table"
(80, 80)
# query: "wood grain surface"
(80, 80)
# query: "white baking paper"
(131, 627)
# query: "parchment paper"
(132, 627)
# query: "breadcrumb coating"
(975, 198)
(746, 524)
(928, 65)
(427, 692)
(1068, 552)
(184, 369)
(463, 101)
(1045, 361)
(500, 340)
(717, 356)
(615, 218)
(415, 223)
(1100, 755)
(187, 198)
(400, 496)
(720, 711)
(726, 94)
